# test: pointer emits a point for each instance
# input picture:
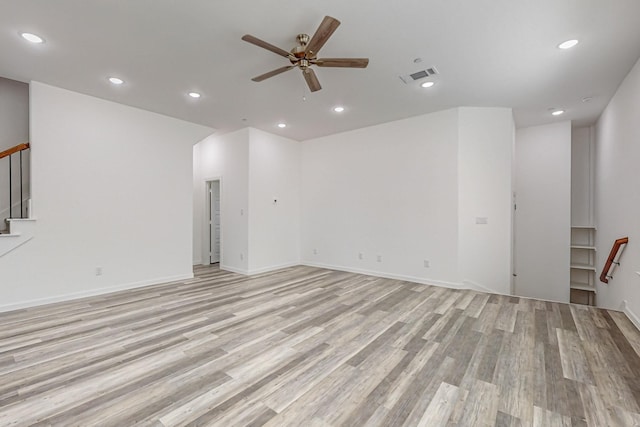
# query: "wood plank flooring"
(312, 347)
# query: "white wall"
(14, 113)
(14, 129)
(617, 197)
(582, 176)
(543, 229)
(198, 209)
(274, 228)
(254, 168)
(226, 158)
(410, 191)
(389, 190)
(112, 188)
(485, 155)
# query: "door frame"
(206, 232)
(514, 266)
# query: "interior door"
(214, 222)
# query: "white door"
(214, 222)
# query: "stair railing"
(614, 259)
(18, 149)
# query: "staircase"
(18, 225)
(20, 231)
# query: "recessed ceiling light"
(568, 44)
(32, 37)
(194, 95)
(116, 80)
(557, 112)
(282, 125)
(338, 109)
(427, 84)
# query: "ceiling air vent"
(418, 75)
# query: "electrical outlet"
(426, 263)
(379, 258)
(241, 256)
(360, 256)
(315, 251)
(98, 271)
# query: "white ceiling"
(498, 53)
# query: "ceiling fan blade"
(275, 72)
(342, 62)
(324, 31)
(312, 80)
(263, 44)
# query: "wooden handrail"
(12, 150)
(604, 276)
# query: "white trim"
(258, 270)
(630, 314)
(592, 175)
(21, 232)
(94, 292)
(468, 284)
(272, 268)
(204, 241)
(197, 262)
(4, 212)
(417, 280)
(465, 284)
(233, 269)
(15, 244)
(480, 288)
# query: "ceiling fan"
(305, 54)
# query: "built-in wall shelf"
(583, 267)
(582, 284)
(583, 287)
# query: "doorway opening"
(213, 220)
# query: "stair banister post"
(21, 209)
(10, 192)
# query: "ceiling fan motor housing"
(299, 51)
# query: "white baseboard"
(257, 270)
(93, 292)
(272, 268)
(197, 261)
(100, 291)
(385, 275)
(234, 269)
(468, 284)
(630, 314)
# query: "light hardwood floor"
(312, 347)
